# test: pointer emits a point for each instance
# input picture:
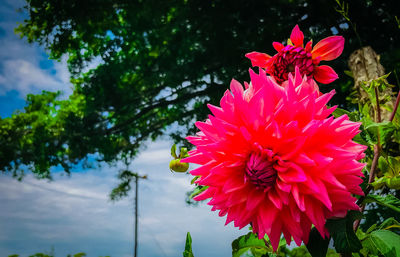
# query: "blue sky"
(73, 214)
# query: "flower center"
(286, 61)
(260, 171)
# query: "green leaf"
(341, 230)
(198, 190)
(173, 151)
(317, 246)
(183, 153)
(383, 242)
(389, 224)
(188, 246)
(249, 244)
(378, 124)
(348, 73)
(383, 164)
(389, 201)
(339, 112)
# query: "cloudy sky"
(74, 214)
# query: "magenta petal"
(325, 74)
(328, 48)
(297, 37)
(277, 46)
(258, 59)
(271, 156)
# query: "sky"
(73, 214)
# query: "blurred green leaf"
(342, 233)
(317, 246)
(383, 243)
(249, 245)
(188, 246)
(389, 201)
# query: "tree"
(157, 64)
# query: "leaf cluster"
(139, 70)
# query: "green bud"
(178, 166)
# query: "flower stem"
(374, 164)
(395, 107)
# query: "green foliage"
(317, 246)
(390, 168)
(389, 201)
(382, 243)
(157, 67)
(341, 230)
(123, 188)
(80, 255)
(249, 245)
(188, 246)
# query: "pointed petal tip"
(297, 36)
(258, 59)
(277, 46)
(325, 74)
(328, 48)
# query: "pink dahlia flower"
(296, 55)
(273, 157)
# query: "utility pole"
(137, 177)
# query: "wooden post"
(137, 177)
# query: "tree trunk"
(365, 66)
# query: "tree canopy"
(143, 69)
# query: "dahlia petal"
(223, 212)
(235, 199)
(328, 48)
(198, 158)
(324, 74)
(295, 213)
(272, 157)
(255, 197)
(245, 133)
(232, 185)
(323, 195)
(305, 224)
(324, 99)
(275, 234)
(308, 46)
(287, 236)
(310, 187)
(236, 88)
(208, 130)
(274, 198)
(331, 179)
(202, 170)
(299, 199)
(268, 214)
(217, 111)
(258, 59)
(208, 193)
(303, 159)
(283, 186)
(315, 214)
(211, 180)
(294, 174)
(297, 36)
(278, 46)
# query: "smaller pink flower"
(296, 55)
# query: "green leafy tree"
(141, 67)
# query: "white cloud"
(74, 214)
(25, 67)
(25, 77)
